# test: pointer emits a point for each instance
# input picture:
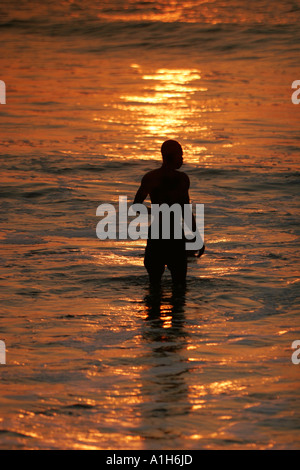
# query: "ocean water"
(94, 359)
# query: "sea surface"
(95, 360)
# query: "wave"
(158, 34)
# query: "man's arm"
(142, 192)
(186, 198)
(194, 228)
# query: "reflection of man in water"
(166, 185)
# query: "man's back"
(167, 186)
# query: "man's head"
(171, 151)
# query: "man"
(166, 185)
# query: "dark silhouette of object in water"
(167, 185)
(165, 379)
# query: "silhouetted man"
(166, 185)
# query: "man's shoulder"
(182, 174)
(148, 179)
(150, 175)
(156, 175)
(184, 177)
